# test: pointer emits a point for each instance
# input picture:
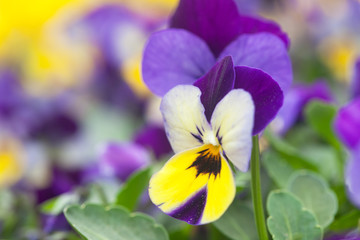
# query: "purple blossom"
(107, 26)
(153, 137)
(120, 160)
(62, 181)
(295, 101)
(204, 32)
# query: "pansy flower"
(205, 31)
(197, 184)
(208, 126)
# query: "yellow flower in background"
(152, 7)
(339, 55)
(11, 162)
(131, 71)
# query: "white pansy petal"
(233, 121)
(184, 119)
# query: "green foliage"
(320, 116)
(288, 220)
(278, 168)
(238, 222)
(315, 195)
(57, 204)
(131, 191)
(96, 222)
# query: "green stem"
(256, 190)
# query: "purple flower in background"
(154, 138)
(355, 81)
(295, 101)
(347, 124)
(351, 236)
(115, 30)
(62, 181)
(203, 32)
(16, 114)
(347, 127)
(120, 160)
(54, 223)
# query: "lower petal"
(195, 186)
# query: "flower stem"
(256, 190)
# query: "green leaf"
(131, 191)
(315, 195)
(288, 220)
(320, 116)
(346, 222)
(96, 222)
(289, 153)
(278, 169)
(57, 204)
(237, 222)
(7, 203)
(324, 157)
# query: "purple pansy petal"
(263, 51)
(347, 124)
(216, 84)
(121, 160)
(173, 57)
(218, 22)
(355, 82)
(154, 137)
(265, 92)
(295, 100)
(353, 178)
(54, 223)
(288, 113)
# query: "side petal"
(216, 84)
(264, 51)
(265, 92)
(347, 124)
(218, 22)
(173, 57)
(180, 191)
(233, 121)
(184, 119)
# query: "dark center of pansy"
(208, 161)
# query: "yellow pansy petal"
(195, 186)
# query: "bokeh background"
(75, 113)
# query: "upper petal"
(265, 92)
(233, 121)
(216, 84)
(184, 119)
(218, 22)
(264, 51)
(347, 124)
(173, 57)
